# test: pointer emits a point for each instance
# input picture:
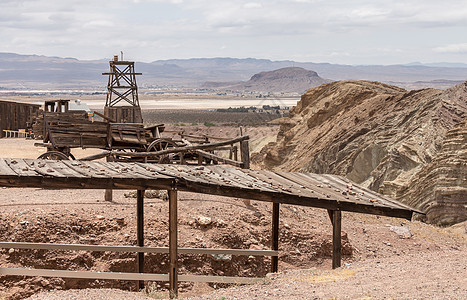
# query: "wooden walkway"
(305, 189)
(330, 192)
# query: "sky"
(357, 32)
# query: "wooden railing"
(129, 276)
(20, 133)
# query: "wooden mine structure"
(330, 192)
(122, 86)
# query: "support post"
(140, 234)
(108, 192)
(336, 237)
(173, 247)
(275, 237)
(245, 154)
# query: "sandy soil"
(383, 257)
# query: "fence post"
(140, 234)
(275, 236)
(245, 153)
(173, 251)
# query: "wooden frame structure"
(15, 116)
(330, 192)
(122, 83)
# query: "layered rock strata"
(377, 135)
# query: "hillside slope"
(378, 135)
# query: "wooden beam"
(96, 156)
(103, 248)
(173, 251)
(219, 159)
(275, 236)
(108, 196)
(125, 276)
(140, 234)
(82, 274)
(336, 239)
(104, 117)
(220, 279)
(245, 154)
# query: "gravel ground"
(89, 294)
(428, 275)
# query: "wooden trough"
(330, 192)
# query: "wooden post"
(336, 238)
(108, 192)
(173, 233)
(182, 158)
(245, 153)
(275, 236)
(140, 234)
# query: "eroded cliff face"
(377, 135)
(440, 188)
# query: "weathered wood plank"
(5, 169)
(104, 248)
(82, 274)
(20, 167)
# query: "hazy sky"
(336, 31)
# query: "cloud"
(452, 48)
(252, 5)
(278, 28)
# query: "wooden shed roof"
(305, 189)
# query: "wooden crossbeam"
(126, 276)
(103, 248)
(83, 274)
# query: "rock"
(100, 217)
(402, 231)
(222, 257)
(150, 194)
(11, 251)
(120, 221)
(409, 145)
(204, 221)
(221, 223)
(255, 247)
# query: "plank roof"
(306, 189)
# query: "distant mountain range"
(39, 72)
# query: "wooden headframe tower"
(122, 87)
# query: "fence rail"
(129, 276)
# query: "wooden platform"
(330, 192)
(323, 191)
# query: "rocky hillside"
(292, 79)
(409, 145)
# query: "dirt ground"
(383, 257)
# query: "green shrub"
(209, 124)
